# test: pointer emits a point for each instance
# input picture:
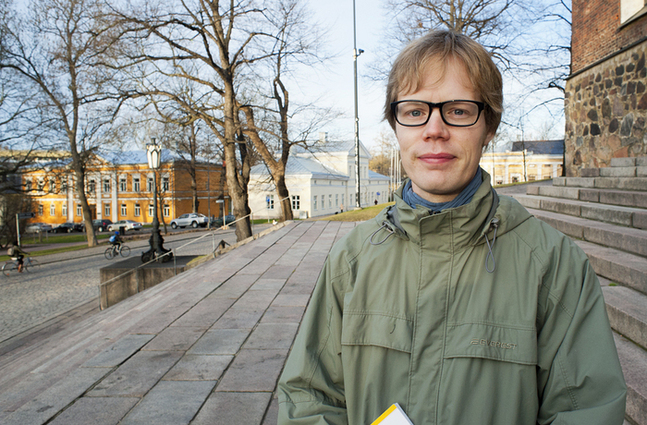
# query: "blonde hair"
(437, 48)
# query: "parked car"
(191, 219)
(38, 228)
(128, 224)
(218, 221)
(101, 224)
(67, 228)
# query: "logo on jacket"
(490, 343)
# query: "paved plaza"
(206, 346)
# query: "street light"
(157, 250)
(356, 53)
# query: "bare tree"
(295, 39)
(63, 48)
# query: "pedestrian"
(341, 208)
(455, 303)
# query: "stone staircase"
(605, 212)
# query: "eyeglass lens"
(459, 113)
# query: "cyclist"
(18, 254)
(115, 240)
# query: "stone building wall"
(606, 111)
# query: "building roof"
(376, 176)
(331, 147)
(302, 166)
(540, 147)
(139, 157)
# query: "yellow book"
(394, 415)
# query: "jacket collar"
(465, 225)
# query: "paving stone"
(279, 271)
(119, 351)
(272, 415)
(220, 342)
(254, 370)
(96, 411)
(272, 336)
(283, 314)
(233, 408)
(138, 375)
(51, 401)
(198, 368)
(239, 318)
(265, 284)
(175, 339)
(236, 286)
(205, 313)
(284, 300)
(170, 403)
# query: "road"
(65, 281)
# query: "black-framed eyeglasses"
(456, 113)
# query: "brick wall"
(597, 32)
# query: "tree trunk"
(87, 214)
(284, 197)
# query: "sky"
(333, 85)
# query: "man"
(115, 240)
(455, 303)
(14, 251)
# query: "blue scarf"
(412, 199)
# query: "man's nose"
(436, 127)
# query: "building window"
(296, 202)
(167, 211)
(64, 210)
(124, 210)
(342, 199)
(330, 201)
(52, 186)
(151, 211)
(40, 185)
(149, 184)
(79, 210)
(138, 210)
(165, 184)
(64, 184)
(40, 209)
(52, 209)
(314, 202)
(92, 187)
(136, 187)
(106, 210)
(106, 186)
(336, 199)
(269, 199)
(122, 184)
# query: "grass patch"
(49, 251)
(61, 238)
(358, 215)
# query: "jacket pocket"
(507, 343)
(377, 329)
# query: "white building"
(320, 183)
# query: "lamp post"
(154, 156)
(356, 53)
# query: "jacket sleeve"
(311, 388)
(580, 381)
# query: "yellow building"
(528, 161)
(120, 187)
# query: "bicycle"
(113, 251)
(11, 266)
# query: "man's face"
(440, 159)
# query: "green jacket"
(405, 311)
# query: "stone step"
(631, 240)
(617, 266)
(627, 310)
(622, 216)
(629, 162)
(638, 183)
(633, 360)
(624, 198)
